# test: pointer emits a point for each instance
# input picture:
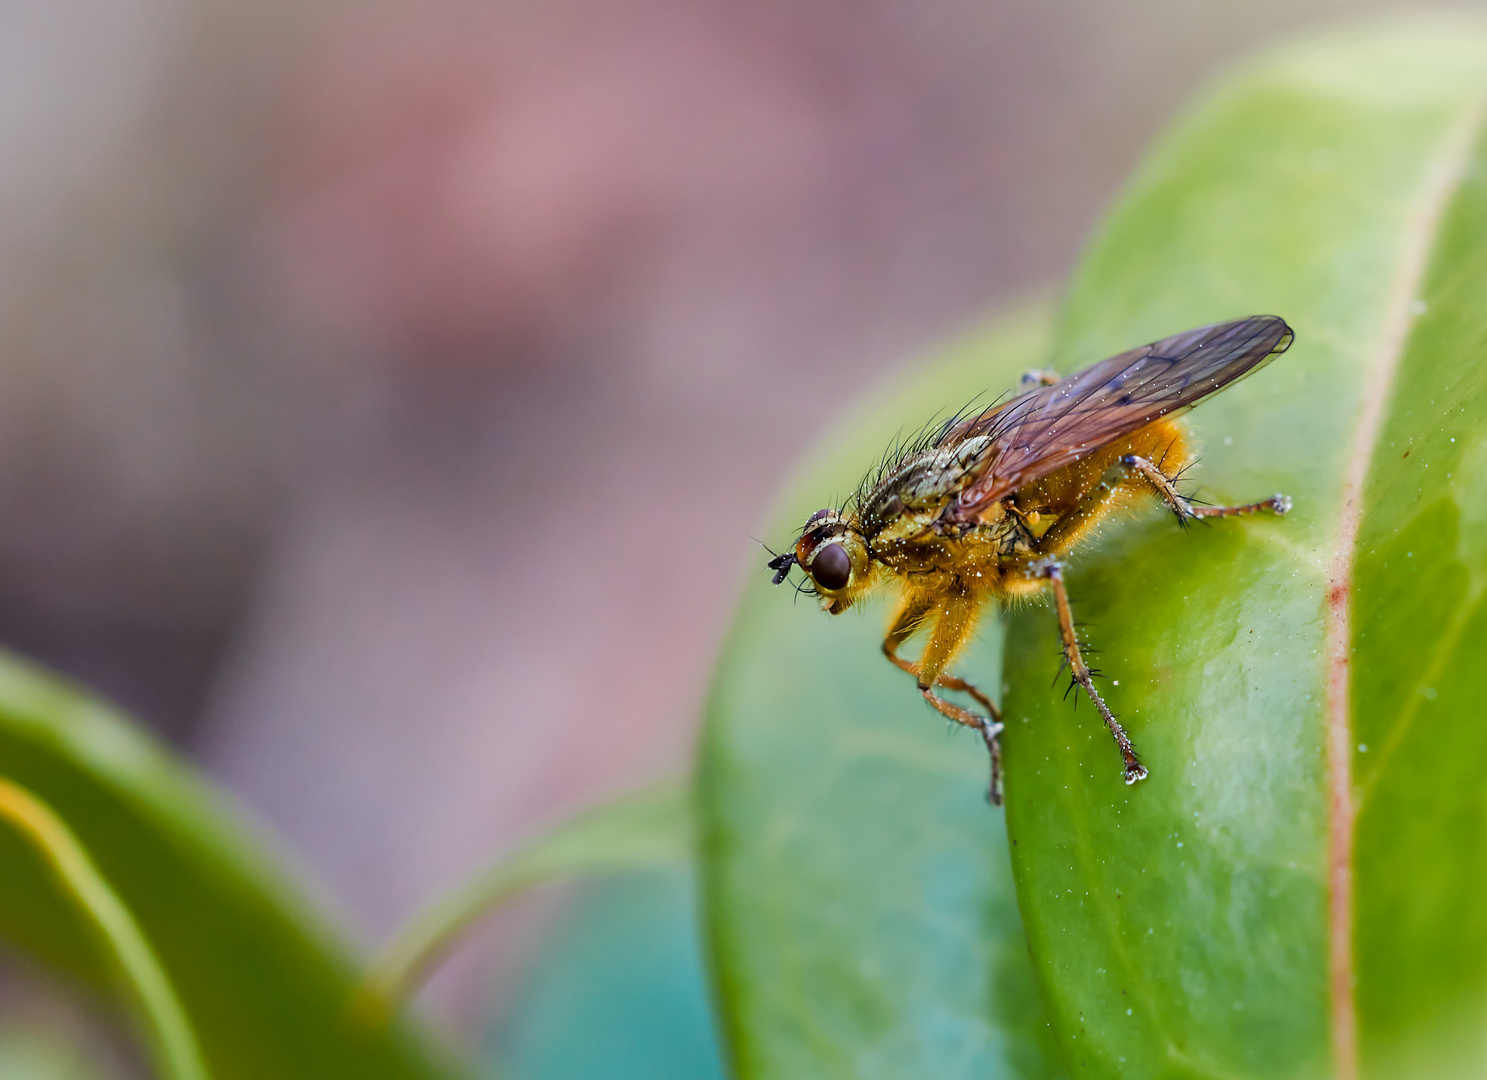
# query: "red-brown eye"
(832, 567)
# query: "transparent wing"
(1053, 426)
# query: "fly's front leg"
(908, 619)
(1054, 572)
(1183, 508)
(954, 622)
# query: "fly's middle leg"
(1053, 571)
(1182, 507)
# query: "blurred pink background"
(371, 367)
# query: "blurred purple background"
(392, 389)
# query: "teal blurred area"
(617, 992)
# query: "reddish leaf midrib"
(1442, 178)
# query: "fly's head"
(834, 555)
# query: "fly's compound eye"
(832, 567)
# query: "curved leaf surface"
(265, 985)
(857, 894)
(1295, 891)
(172, 1042)
(646, 828)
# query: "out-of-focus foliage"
(265, 986)
(265, 989)
(172, 1042)
(1229, 916)
(647, 828)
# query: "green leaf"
(858, 900)
(1296, 889)
(647, 828)
(177, 1057)
(1277, 900)
(265, 985)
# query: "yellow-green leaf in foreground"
(264, 985)
(169, 1034)
(1295, 891)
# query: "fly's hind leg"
(1054, 572)
(1130, 470)
(954, 623)
(1183, 508)
(1066, 532)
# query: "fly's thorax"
(908, 526)
(971, 552)
(965, 454)
(924, 483)
(930, 523)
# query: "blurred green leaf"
(264, 983)
(858, 898)
(1216, 919)
(646, 828)
(170, 1038)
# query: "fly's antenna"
(781, 564)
